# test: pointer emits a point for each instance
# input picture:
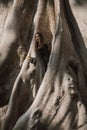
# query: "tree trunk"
(61, 100)
(14, 44)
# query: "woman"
(42, 57)
(41, 60)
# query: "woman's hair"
(41, 36)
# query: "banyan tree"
(60, 100)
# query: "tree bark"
(61, 100)
(14, 44)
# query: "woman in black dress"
(42, 57)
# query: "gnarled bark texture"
(60, 102)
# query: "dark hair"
(41, 36)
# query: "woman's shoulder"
(45, 46)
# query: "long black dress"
(42, 55)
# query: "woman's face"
(37, 38)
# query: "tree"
(60, 102)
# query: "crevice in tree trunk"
(59, 100)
